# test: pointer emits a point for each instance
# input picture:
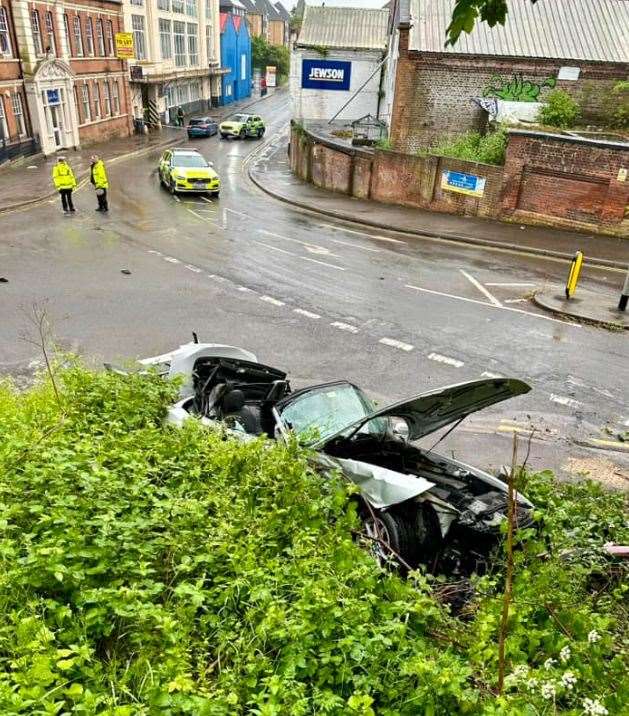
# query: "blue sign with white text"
(326, 74)
(53, 97)
(462, 183)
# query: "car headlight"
(176, 175)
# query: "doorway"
(57, 125)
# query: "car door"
(257, 122)
(164, 165)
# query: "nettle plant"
(151, 570)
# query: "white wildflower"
(549, 663)
(548, 690)
(564, 654)
(520, 671)
(531, 684)
(593, 636)
(568, 680)
(593, 707)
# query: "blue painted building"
(235, 57)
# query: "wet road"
(316, 297)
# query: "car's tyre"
(223, 136)
(260, 133)
(391, 533)
(216, 194)
(243, 134)
(172, 188)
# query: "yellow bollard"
(573, 276)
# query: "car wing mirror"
(400, 429)
(211, 164)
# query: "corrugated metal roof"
(344, 27)
(562, 29)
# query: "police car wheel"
(171, 187)
(223, 136)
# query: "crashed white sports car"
(415, 504)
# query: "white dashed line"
(270, 299)
(307, 314)
(202, 218)
(396, 344)
(345, 327)
(209, 201)
(487, 374)
(172, 260)
(323, 263)
(563, 400)
(481, 288)
(157, 253)
(273, 248)
(446, 359)
(362, 233)
(244, 289)
(355, 246)
(215, 277)
(196, 269)
(176, 198)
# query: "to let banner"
(124, 46)
(461, 183)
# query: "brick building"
(576, 45)
(76, 91)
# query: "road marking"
(307, 314)
(196, 269)
(272, 300)
(244, 289)
(205, 198)
(563, 400)
(396, 344)
(345, 327)
(481, 288)
(176, 198)
(615, 444)
(362, 233)
(172, 260)
(355, 246)
(192, 211)
(446, 359)
(215, 277)
(238, 213)
(510, 284)
(323, 263)
(516, 300)
(490, 305)
(273, 248)
(487, 374)
(313, 248)
(157, 253)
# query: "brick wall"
(565, 181)
(548, 179)
(433, 91)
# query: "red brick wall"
(433, 91)
(564, 181)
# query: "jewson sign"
(461, 183)
(326, 74)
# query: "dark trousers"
(66, 199)
(102, 200)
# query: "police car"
(242, 126)
(187, 170)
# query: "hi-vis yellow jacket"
(99, 175)
(63, 177)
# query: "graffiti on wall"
(516, 89)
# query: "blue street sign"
(463, 183)
(53, 97)
(326, 74)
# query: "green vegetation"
(488, 149)
(384, 143)
(560, 110)
(620, 96)
(148, 570)
(264, 54)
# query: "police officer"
(180, 116)
(65, 183)
(98, 177)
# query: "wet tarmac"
(317, 298)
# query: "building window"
(208, 9)
(76, 103)
(85, 101)
(195, 93)
(169, 93)
(182, 93)
(89, 36)
(209, 44)
(107, 98)
(163, 5)
(5, 38)
(193, 45)
(115, 97)
(178, 5)
(4, 130)
(110, 38)
(137, 2)
(165, 39)
(137, 23)
(191, 8)
(100, 37)
(78, 38)
(66, 32)
(50, 29)
(179, 34)
(18, 113)
(39, 47)
(96, 98)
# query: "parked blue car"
(202, 127)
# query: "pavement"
(29, 181)
(587, 306)
(320, 298)
(271, 176)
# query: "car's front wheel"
(216, 193)
(259, 133)
(172, 188)
(243, 134)
(223, 136)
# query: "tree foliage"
(264, 54)
(559, 110)
(467, 13)
(473, 146)
(152, 570)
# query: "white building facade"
(177, 57)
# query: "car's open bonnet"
(428, 412)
